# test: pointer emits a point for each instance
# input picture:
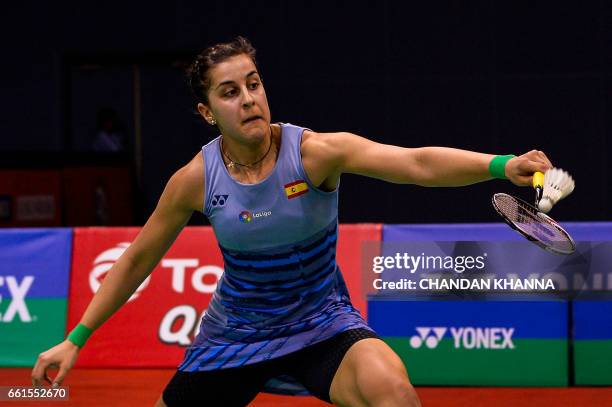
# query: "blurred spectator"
(109, 138)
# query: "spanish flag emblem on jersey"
(296, 188)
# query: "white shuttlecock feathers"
(557, 185)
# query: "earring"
(213, 121)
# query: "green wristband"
(497, 166)
(79, 335)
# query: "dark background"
(497, 77)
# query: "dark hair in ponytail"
(197, 73)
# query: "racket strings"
(533, 223)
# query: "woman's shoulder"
(321, 154)
(188, 182)
(320, 143)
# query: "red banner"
(100, 196)
(30, 198)
(350, 241)
(162, 317)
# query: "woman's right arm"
(183, 194)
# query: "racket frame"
(530, 237)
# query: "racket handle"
(538, 184)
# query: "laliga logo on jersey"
(246, 216)
(17, 291)
(104, 262)
(465, 337)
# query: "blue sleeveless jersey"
(281, 289)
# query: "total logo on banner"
(170, 330)
(103, 263)
(162, 316)
(466, 337)
(17, 292)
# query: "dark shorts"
(314, 367)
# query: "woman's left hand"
(520, 169)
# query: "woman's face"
(237, 100)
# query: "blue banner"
(580, 231)
(486, 258)
(34, 281)
(42, 254)
(592, 319)
(527, 319)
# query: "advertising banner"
(592, 318)
(34, 275)
(161, 319)
(484, 343)
(460, 269)
(97, 196)
(491, 258)
(482, 267)
(580, 231)
(30, 198)
(351, 241)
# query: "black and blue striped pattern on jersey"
(295, 257)
(260, 289)
(310, 283)
(267, 298)
(255, 344)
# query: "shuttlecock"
(557, 185)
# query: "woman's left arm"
(338, 153)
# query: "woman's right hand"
(62, 357)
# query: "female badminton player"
(281, 317)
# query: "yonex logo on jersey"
(466, 337)
(219, 200)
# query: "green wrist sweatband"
(79, 335)
(497, 166)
